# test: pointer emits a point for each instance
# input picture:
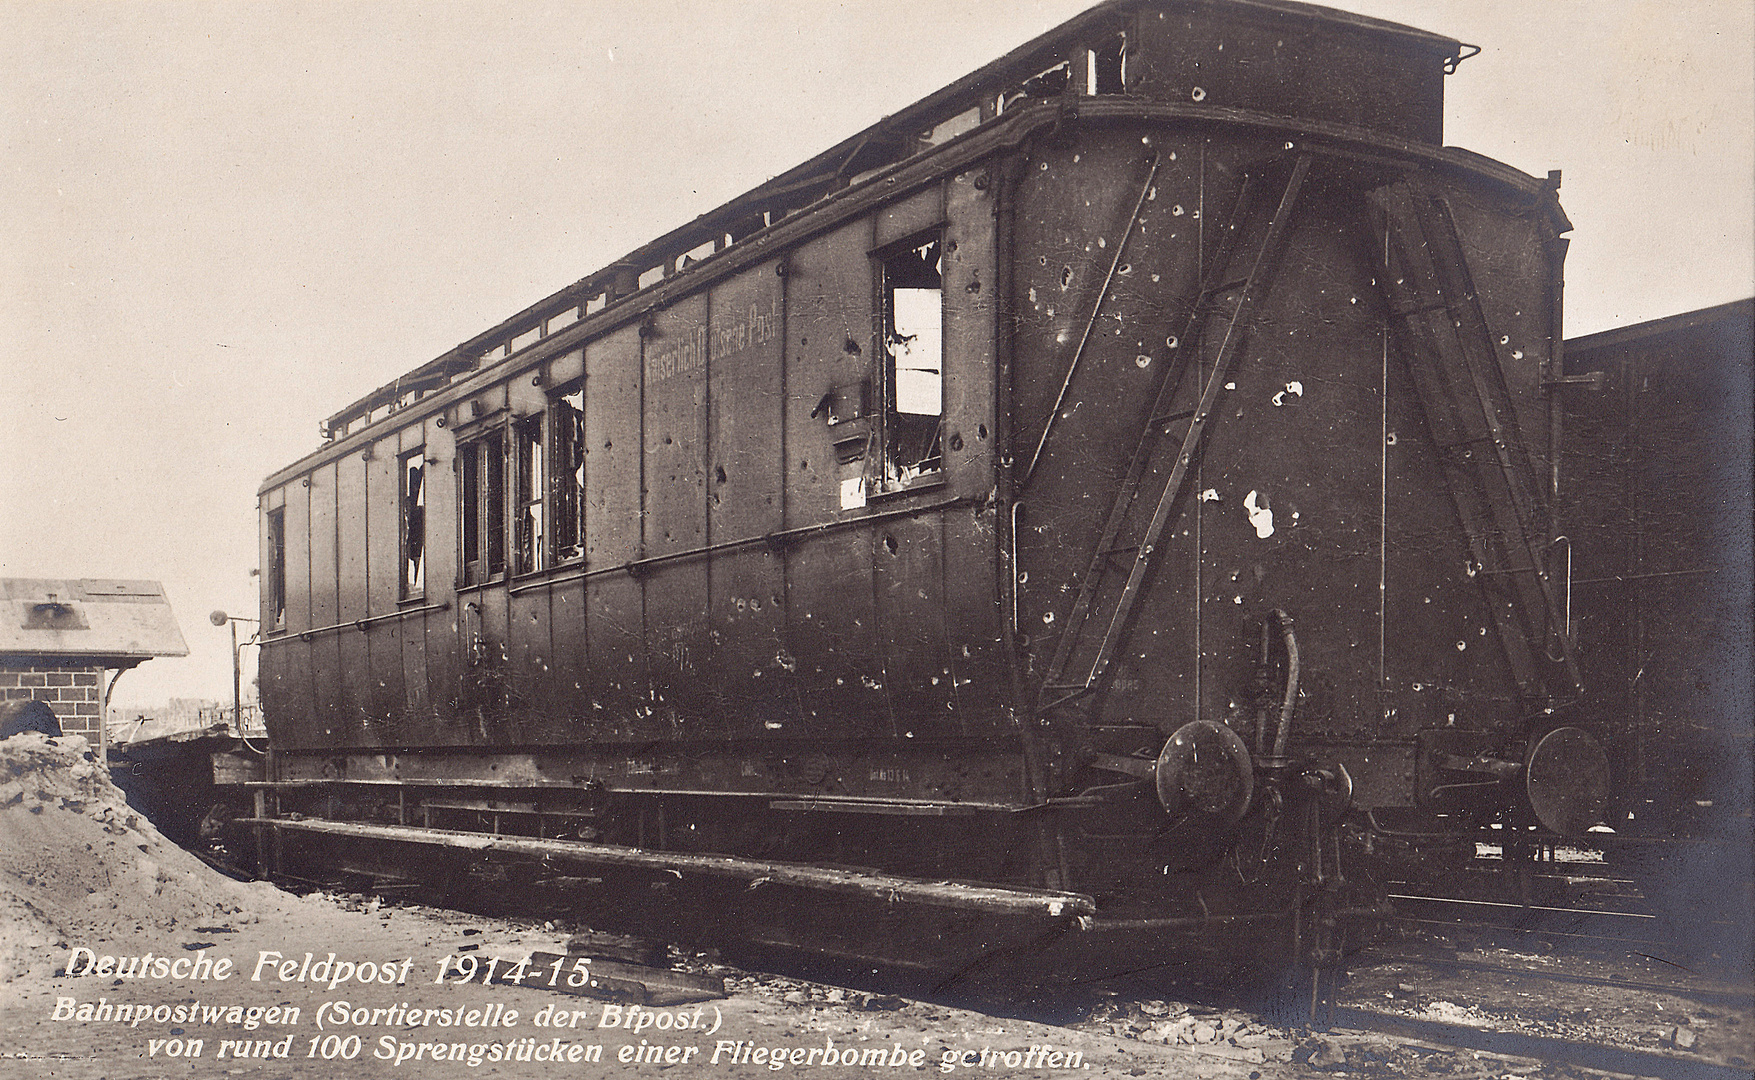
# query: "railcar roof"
(889, 140)
(1740, 310)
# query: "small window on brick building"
(413, 500)
(913, 362)
(566, 417)
(481, 467)
(274, 580)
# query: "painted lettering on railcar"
(729, 335)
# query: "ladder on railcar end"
(1219, 279)
(1468, 407)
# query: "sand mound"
(77, 865)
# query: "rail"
(1740, 995)
(1598, 1056)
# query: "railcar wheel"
(1567, 780)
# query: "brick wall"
(75, 693)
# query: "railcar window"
(276, 583)
(482, 488)
(413, 500)
(566, 416)
(529, 536)
(913, 378)
(1106, 70)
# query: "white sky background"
(221, 222)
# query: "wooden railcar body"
(1241, 414)
(1659, 509)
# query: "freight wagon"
(1053, 512)
(1659, 512)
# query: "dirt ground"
(122, 956)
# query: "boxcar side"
(1659, 478)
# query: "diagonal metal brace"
(1199, 311)
(1261, 277)
(1091, 323)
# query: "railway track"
(1603, 995)
(1573, 897)
(1548, 925)
(1606, 991)
(1545, 1049)
(1426, 1035)
(1585, 976)
(1442, 997)
(1727, 994)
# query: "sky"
(221, 222)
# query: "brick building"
(59, 638)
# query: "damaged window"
(566, 415)
(481, 467)
(913, 362)
(528, 535)
(413, 500)
(274, 581)
(1106, 71)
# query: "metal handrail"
(357, 624)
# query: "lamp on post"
(220, 618)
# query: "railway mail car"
(1060, 504)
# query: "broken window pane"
(482, 488)
(913, 320)
(1108, 73)
(566, 415)
(275, 585)
(493, 517)
(529, 536)
(413, 501)
(469, 485)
